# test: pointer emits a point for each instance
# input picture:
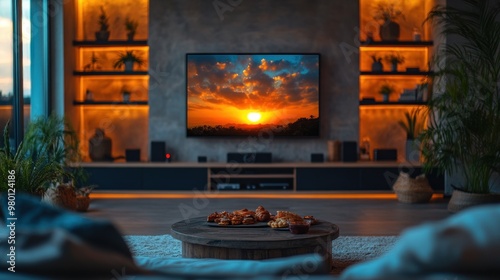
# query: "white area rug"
(346, 250)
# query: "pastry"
(237, 220)
(248, 220)
(224, 222)
(290, 216)
(278, 223)
(311, 220)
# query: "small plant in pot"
(413, 126)
(462, 137)
(386, 90)
(387, 14)
(128, 59)
(377, 65)
(103, 33)
(131, 26)
(395, 59)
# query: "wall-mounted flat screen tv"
(252, 94)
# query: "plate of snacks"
(242, 218)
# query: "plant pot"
(412, 190)
(62, 195)
(394, 67)
(460, 200)
(385, 97)
(129, 66)
(377, 67)
(130, 36)
(82, 203)
(102, 35)
(412, 151)
(389, 31)
(126, 96)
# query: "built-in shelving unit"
(378, 118)
(101, 84)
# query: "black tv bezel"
(252, 53)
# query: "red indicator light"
(167, 156)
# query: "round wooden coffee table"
(199, 240)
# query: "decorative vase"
(389, 31)
(412, 151)
(460, 200)
(100, 146)
(377, 66)
(412, 190)
(102, 35)
(129, 66)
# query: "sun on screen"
(253, 117)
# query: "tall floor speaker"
(158, 151)
(349, 151)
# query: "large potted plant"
(32, 171)
(463, 135)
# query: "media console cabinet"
(298, 176)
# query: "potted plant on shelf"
(387, 13)
(103, 33)
(395, 59)
(377, 65)
(386, 90)
(413, 126)
(128, 59)
(462, 138)
(131, 26)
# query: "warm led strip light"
(248, 195)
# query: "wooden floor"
(356, 214)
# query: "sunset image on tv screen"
(252, 94)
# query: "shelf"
(113, 43)
(397, 44)
(399, 73)
(263, 176)
(391, 103)
(79, 103)
(9, 103)
(110, 73)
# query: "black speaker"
(385, 154)
(157, 151)
(317, 158)
(202, 159)
(349, 151)
(132, 155)
(249, 157)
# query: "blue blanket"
(53, 243)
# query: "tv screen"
(252, 94)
